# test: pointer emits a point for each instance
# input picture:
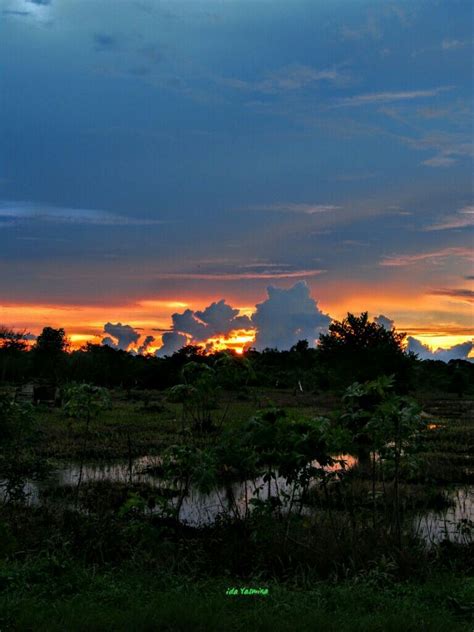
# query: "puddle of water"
(455, 524)
(198, 509)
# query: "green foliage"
(18, 437)
(197, 394)
(85, 401)
(53, 595)
(376, 416)
(288, 446)
(233, 372)
(133, 505)
(16, 422)
(189, 465)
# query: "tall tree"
(357, 348)
(50, 348)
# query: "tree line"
(354, 349)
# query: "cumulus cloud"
(222, 318)
(288, 315)
(188, 323)
(109, 342)
(219, 318)
(120, 336)
(385, 322)
(172, 341)
(457, 352)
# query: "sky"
(158, 157)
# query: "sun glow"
(435, 341)
(237, 341)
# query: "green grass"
(70, 597)
(151, 429)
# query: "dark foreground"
(49, 594)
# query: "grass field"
(50, 595)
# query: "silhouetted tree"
(12, 344)
(51, 341)
(359, 349)
(49, 350)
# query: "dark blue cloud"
(105, 42)
(302, 140)
(457, 352)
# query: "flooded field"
(454, 523)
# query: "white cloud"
(291, 207)
(439, 161)
(17, 212)
(239, 276)
(288, 315)
(443, 253)
(387, 97)
(285, 79)
(463, 219)
(453, 44)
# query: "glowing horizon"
(84, 323)
(149, 174)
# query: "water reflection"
(197, 509)
(455, 524)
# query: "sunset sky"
(161, 156)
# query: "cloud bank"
(457, 352)
(217, 319)
(286, 316)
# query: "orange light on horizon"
(430, 319)
(237, 341)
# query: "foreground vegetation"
(316, 482)
(52, 595)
